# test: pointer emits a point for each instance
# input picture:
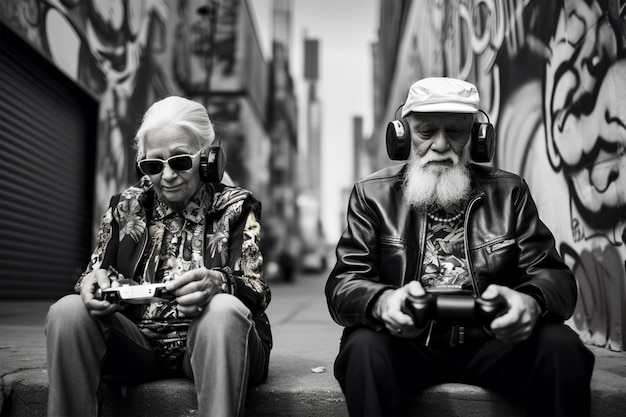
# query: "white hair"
(175, 111)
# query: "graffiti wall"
(552, 77)
(128, 53)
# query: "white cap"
(441, 94)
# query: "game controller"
(136, 294)
(446, 305)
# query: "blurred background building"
(76, 77)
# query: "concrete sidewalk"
(300, 381)
(305, 339)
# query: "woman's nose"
(168, 171)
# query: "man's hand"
(518, 323)
(194, 289)
(91, 282)
(388, 309)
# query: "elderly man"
(439, 226)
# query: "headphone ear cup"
(483, 143)
(212, 164)
(398, 138)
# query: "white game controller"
(136, 294)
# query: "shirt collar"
(195, 211)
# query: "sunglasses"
(177, 163)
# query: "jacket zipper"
(503, 244)
(422, 239)
(470, 266)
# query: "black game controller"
(446, 305)
(136, 294)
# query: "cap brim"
(440, 108)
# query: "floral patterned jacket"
(231, 239)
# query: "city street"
(306, 342)
(300, 380)
(302, 328)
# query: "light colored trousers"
(224, 352)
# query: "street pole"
(211, 12)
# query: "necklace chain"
(446, 220)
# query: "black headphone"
(482, 146)
(212, 164)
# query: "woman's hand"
(97, 279)
(194, 289)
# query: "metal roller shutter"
(47, 127)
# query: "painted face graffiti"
(586, 131)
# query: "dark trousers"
(550, 372)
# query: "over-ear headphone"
(482, 146)
(212, 164)
(398, 139)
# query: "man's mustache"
(447, 157)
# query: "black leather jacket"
(506, 243)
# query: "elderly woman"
(180, 226)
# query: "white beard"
(436, 186)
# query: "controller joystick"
(488, 310)
(420, 308)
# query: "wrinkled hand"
(194, 289)
(91, 282)
(388, 309)
(518, 323)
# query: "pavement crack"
(293, 313)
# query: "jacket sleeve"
(107, 240)
(354, 284)
(544, 274)
(245, 261)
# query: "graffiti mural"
(108, 47)
(204, 47)
(127, 54)
(585, 123)
(551, 76)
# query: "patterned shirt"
(445, 264)
(176, 245)
(176, 242)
